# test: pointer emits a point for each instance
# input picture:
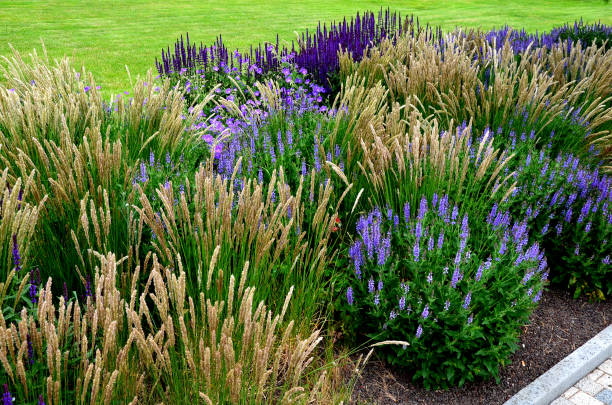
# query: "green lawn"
(107, 35)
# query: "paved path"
(594, 389)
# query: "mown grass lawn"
(106, 36)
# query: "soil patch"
(558, 326)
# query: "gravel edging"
(559, 325)
(567, 372)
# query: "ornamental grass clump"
(426, 160)
(464, 78)
(157, 344)
(283, 234)
(458, 297)
(18, 221)
(81, 156)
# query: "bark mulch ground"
(558, 326)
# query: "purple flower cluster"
(16, 255)
(424, 302)
(316, 52)
(372, 250)
(520, 40)
(298, 95)
(7, 397)
(373, 243)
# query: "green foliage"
(569, 213)
(459, 319)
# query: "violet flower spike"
(468, 299)
(425, 313)
(7, 398)
(16, 255)
(371, 286)
(419, 331)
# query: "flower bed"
(235, 228)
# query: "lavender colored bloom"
(281, 145)
(422, 208)
(446, 305)
(16, 255)
(7, 398)
(395, 221)
(407, 212)
(464, 227)
(441, 239)
(383, 251)
(30, 350)
(537, 297)
(377, 299)
(371, 286)
(88, 287)
(577, 250)
(454, 215)
(430, 277)
(402, 303)
(33, 292)
(416, 251)
(349, 295)
(357, 257)
(316, 155)
(468, 299)
(65, 292)
(40, 400)
(502, 247)
(380, 285)
(527, 277)
(425, 313)
(143, 173)
(393, 314)
(606, 260)
(458, 258)
(479, 273)
(470, 319)
(455, 278)
(419, 331)
(443, 206)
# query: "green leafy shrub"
(455, 297)
(569, 212)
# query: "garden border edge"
(554, 382)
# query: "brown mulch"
(558, 326)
